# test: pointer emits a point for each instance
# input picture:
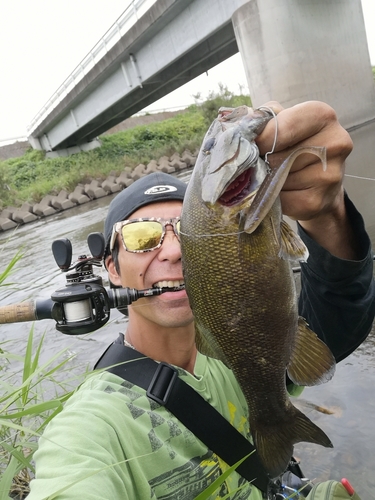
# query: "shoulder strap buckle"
(162, 383)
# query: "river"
(346, 400)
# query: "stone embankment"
(11, 217)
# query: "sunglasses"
(145, 234)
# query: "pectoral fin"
(312, 362)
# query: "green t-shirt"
(112, 442)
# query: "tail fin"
(275, 443)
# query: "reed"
(26, 406)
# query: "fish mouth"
(172, 285)
(237, 190)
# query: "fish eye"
(209, 144)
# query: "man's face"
(154, 268)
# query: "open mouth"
(173, 286)
(237, 190)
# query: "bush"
(217, 100)
(142, 141)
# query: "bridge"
(292, 51)
(152, 49)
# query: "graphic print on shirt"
(186, 482)
(181, 473)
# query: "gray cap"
(149, 189)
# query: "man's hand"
(311, 195)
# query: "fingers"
(274, 105)
(312, 123)
(312, 173)
(296, 124)
(309, 191)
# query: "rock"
(79, 196)
(110, 185)
(176, 162)
(164, 165)
(62, 201)
(188, 158)
(124, 179)
(138, 172)
(6, 223)
(44, 208)
(94, 190)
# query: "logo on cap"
(161, 189)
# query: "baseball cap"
(151, 188)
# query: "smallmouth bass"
(236, 252)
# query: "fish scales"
(242, 291)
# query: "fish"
(236, 255)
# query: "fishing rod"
(84, 304)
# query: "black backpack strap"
(162, 384)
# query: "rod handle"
(17, 313)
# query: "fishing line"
(270, 110)
(359, 177)
(210, 235)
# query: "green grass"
(32, 176)
(25, 409)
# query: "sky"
(42, 41)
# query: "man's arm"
(337, 231)
(80, 455)
(338, 296)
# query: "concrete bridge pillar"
(299, 50)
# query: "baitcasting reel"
(84, 302)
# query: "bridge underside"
(171, 44)
(205, 56)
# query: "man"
(111, 441)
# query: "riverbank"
(11, 217)
(34, 185)
(19, 147)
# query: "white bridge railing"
(128, 18)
